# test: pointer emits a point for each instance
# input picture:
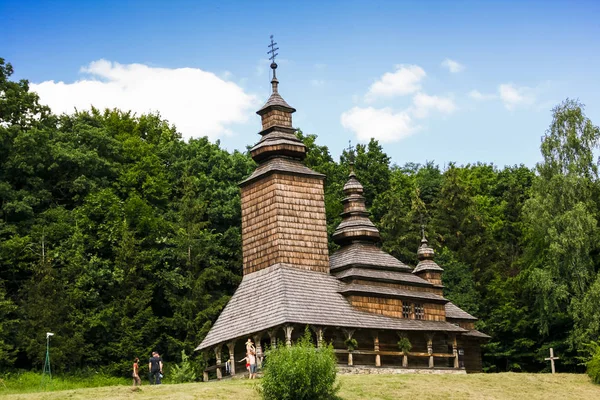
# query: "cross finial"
(351, 156)
(272, 54)
(423, 238)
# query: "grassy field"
(372, 387)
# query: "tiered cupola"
(355, 225)
(278, 135)
(427, 268)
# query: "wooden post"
(551, 359)
(273, 338)
(288, 329)
(376, 349)
(430, 349)
(231, 347)
(455, 351)
(218, 357)
(319, 332)
(205, 373)
(259, 352)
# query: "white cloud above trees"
(511, 95)
(381, 123)
(516, 96)
(405, 80)
(453, 66)
(198, 102)
(389, 125)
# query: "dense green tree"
(562, 228)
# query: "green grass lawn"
(371, 387)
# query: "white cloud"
(198, 102)
(477, 95)
(453, 66)
(317, 82)
(514, 96)
(423, 104)
(405, 80)
(382, 124)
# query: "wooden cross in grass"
(551, 359)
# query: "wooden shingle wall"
(432, 276)
(435, 312)
(283, 221)
(276, 117)
(377, 305)
(393, 307)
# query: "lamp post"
(47, 370)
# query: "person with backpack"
(155, 366)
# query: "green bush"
(593, 364)
(351, 344)
(300, 372)
(184, 372)
(404, 345)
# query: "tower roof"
(275, 101)
(356, 225)
(425, 255)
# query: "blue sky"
(352, 69)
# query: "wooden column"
(376, 348)
(218, 358)
(273, 338)
(259, 352)
(319, 332)
(205, 373)
(455, 351)
(348, 333)
(231, 347)
(430, 349)
(288, 329)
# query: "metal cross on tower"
(273, 52)
(350, 154)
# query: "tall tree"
(562, 226)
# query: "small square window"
(419, 311)
(406, 310)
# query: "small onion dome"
(425, 252)
(425, 255)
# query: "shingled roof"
(382, 276)
(476, 334)
(280, 164)
(364, 255)
(454, 312)
(283, 294)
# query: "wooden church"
(359, 292)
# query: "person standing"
(136, 376)
(252, 361)
(155, 366)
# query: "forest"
(121, 238)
